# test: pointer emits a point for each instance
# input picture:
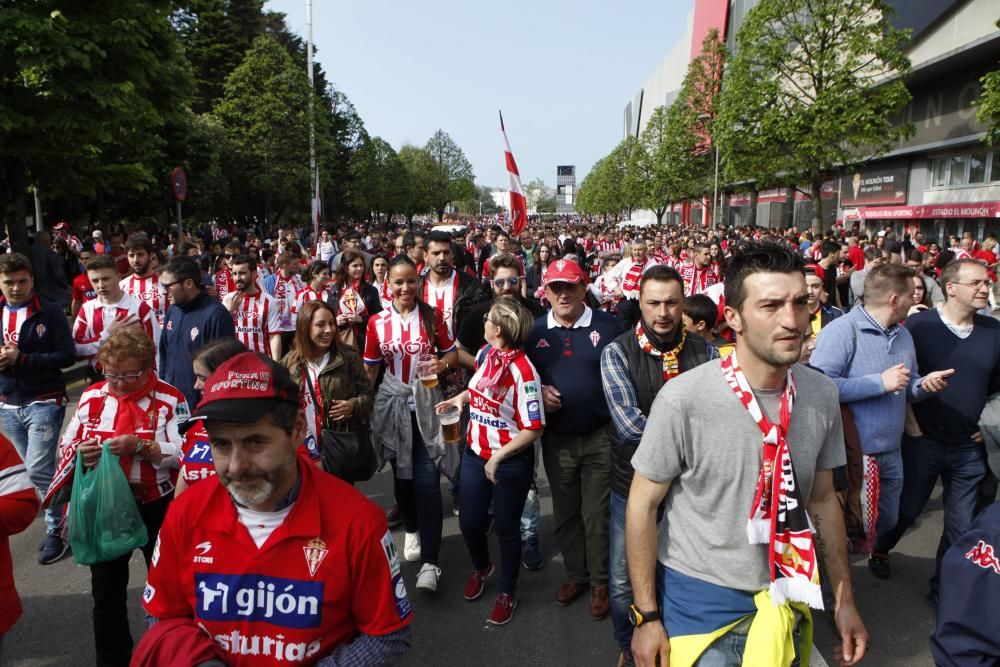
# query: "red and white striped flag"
(518, 204)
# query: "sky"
(561, 71)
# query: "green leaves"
(989, 106)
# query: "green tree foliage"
(86, 90)
(813, 85)
(420, 168)
(539, 197)
(612, 187)
(380, 183)
(451, 178)
(265, 115)
(989, 106)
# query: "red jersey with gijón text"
(442, 299)
(400, 341)
(256, 320)
(326, 574)
(196, 455)
(93, 318)
(150, 291)
(165, 409)
(83, 291)
(513, 404)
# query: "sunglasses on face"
(510, 282)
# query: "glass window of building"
(995, 165)
(957, 174)
(977, 167)
(939, 172)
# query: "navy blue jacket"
(46, 347)
(185, 329)
(968, 625)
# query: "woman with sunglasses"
(136, 415)
(506, 418)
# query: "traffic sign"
(180, 184)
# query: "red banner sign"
(972, 210)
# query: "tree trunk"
(815, 189)
(659, 214)
(754, 195)
(17, 230)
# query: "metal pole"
(715, 198)
(313, 173)
(38, 211)
(180, 225)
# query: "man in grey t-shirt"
(702, 451)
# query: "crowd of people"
(723, 416)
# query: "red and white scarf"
(630, 284)
(671, 364)
(870, 489)
(494, 366)
(778, 516)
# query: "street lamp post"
(716, 202)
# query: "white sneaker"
(411, 547)
(427, 580)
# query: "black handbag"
(348, 455)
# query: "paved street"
(56, 628)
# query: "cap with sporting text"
(242, 389)
(564, 271)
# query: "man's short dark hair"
(504, 262)
(758, 257)
(502, 232)
(828, 247)
(661, 274)
(234, 245)
(352, 236)
(99, 262)
(249, 260)
(186, 247)
(701, 308)
(437, 236)
(182, 268)
(888, 278)
(139, 242)
(14, 262)
(409, 241)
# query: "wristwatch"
(637, 618)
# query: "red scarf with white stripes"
(494, 366)
(778, 516)
(630, 284)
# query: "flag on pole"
(517, 203)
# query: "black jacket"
(50, 276)
(46, 347)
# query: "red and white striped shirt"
(307, 294)
(165, 408)
(93, 318)
(14, 319)
(443, 299)
(256, 320)
(385, 294)
(696, 280)
(148, 290)
(512, 405)
(285, 291)
(400, 341)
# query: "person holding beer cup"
(505, 418)
(406, 339)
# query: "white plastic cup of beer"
(451, 429)
(425, 371)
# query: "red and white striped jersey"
(14, 319)
(165, 409)
(400, 341)
(307, 294)
(385, 295)
(512, 405)
(93, 318)
(224, 283)
(256, 320)
(148, 290)
(442, 299)
(285, 291)
(696, 280)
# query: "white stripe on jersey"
(443, 299)
(514, 404)
(308, 294)
(13, 320)
(148, 290)
(284, 299)
(91, 326)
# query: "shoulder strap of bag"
(854, 349)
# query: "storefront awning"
(930, 211)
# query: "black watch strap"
(639, 617)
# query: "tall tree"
(452, 176)
(814, 85)
(86, 90)
(265, 114)
(420, 168)
(989, 106)
(380, 183)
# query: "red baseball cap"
(816, 269)
(564, 271)
(61, 225)
(244, 388)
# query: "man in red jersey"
(279, 563)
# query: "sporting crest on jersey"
(595, 338)
(315, 551)
(194, 333)
(40, 330)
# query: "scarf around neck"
(130, 418)
(671, 363)
(494, 366)
(778, 516)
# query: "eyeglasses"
(974, 284)
(486, 318)
(128, 377)
(510, 282)
(228, 256)
(169, 285)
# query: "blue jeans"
(961, 469)
(34, 430)
(513, 477)
(532, 508)
(727, 650)
(618, 580)
(890, 475)
(419, 499)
